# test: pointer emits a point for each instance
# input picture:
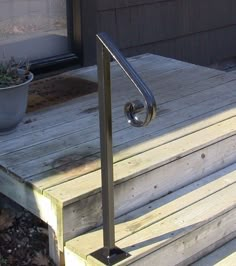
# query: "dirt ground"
(23, 237)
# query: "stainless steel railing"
(106, 49)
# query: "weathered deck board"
(76, 118)
(149, 186)
(167, 224)
(83, 126)
(55, 152)
(79, 124)
(90, 183)
(85, 143)
(223, 256)
(55, 148)
(157, 210)
(77, 108)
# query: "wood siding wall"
(198, 31)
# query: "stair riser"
(194, 245)
(182, 251)
(224, 255)
(85, 214)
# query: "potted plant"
(14, 85)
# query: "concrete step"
(223, 256)
(176, 229)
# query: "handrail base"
(115, 255)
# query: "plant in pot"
(14, 84)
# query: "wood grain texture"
(177, 231)
(201, 32)
(203, 48)
(88, 25)
(76, 144)
(85, 214)
(60, 131)
(55, 253)
(82, 106)
(86, 147)
(55, 155)
(147, 161)
(223, 256)
(158, 210)
(170, 19)
(194, 246)
(23, 195)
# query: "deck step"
(177, 229)
(147, 176)
(223, 256)
(51, 163)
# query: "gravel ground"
(23, 237)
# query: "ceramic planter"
(13, 104)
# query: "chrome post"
(110, 254)
(105, 116)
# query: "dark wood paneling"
(88, 31)
(201, 48)
(175, 28)
(115, 4)
(145, 24)
(167, 20)
(107, 23)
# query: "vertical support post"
(109, 254)
(105, 116)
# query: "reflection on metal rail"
(111, 254)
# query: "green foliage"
(3, 261)
(10, 75)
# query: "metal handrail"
(110, 254)
(131, 109)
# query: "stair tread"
(67, 143)
(80, 155)
(55, 154)
(68, 192)
(167, 219)
(223, 256)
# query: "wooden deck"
(184, 223)
(224, 256)
(51, 164)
